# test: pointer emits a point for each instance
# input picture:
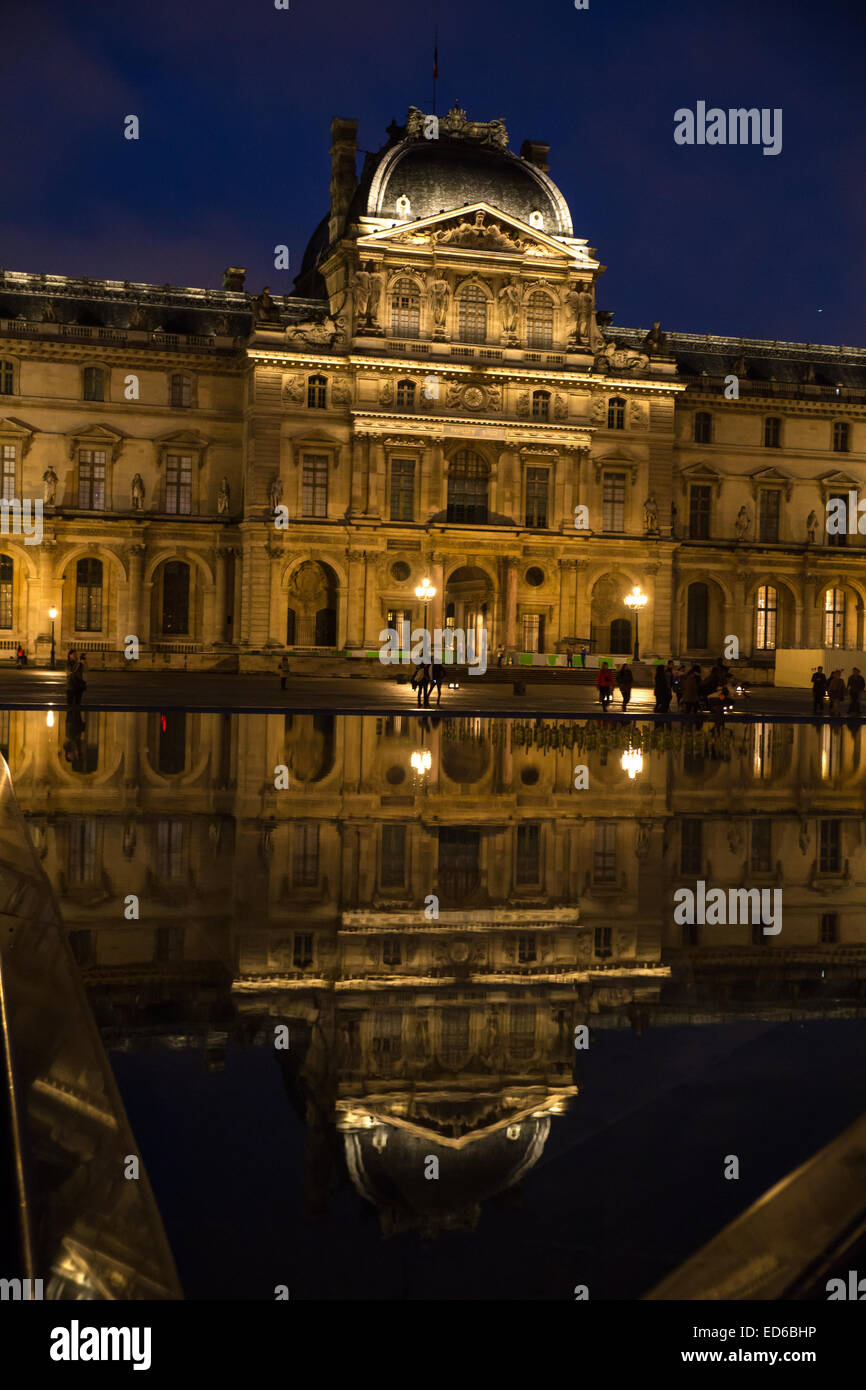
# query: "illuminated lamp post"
(636, 601)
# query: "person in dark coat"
(662, 690)
(421, 682)
(75, 683)
(625, 681)
(435, 680)
(819, 690)
(855, 688)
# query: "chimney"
(344, 180)
(233, 277)
(534, 152)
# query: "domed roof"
(442, 175)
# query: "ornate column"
(133, 608)
(437, 579)
(360, 464)
(357, 599)
(376, 477)
(511, 604)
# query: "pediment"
(182, 439)
(17, 430)
(478, 227)
(772, 477)
(701, 473)
(837, 484)
(96, 436)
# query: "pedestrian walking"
(283, 671)
(819, 690)
(583, 656)
(835, 690)
(661, 690)
(604, 684)
(855, 688)
(20, 656)
(569, 657)
(421, 681)
(689, 690)
(500, 654)
(76, 683)
(625, 681)
(435, 679)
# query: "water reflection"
(434, 907)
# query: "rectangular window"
(601, 942)
(831, 847)
(83, 868)
(537, 480)
(838, 537)
(402, 489)
(305, 860)
(169, 850)
(91, 480)
(88, 596)
(526, 952)
(762, 846)
(699, 513)
(829, 928)
(8, 481)
(302, 950)
(178, 484)
(314, 486)
(459, 863)
(613, 509)
(691, 846)
(772, 432)
(769, 514)
(393, 871)
(169, 945)
(528, 854)
(840, 437)
(604, 853)
(392, 952)
(94, 384)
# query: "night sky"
(235, 98)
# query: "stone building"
(225, 476)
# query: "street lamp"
(52, 613)
(636, 601)
(422, 762)
(632, 762)
(425, 591)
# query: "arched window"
(88, 596)
(175, 598)
(405, 310)
(697, 617)
(317, 392)
(7, 378)
(539, 320)
(472, 315)
(834, 618)
(541, 405)
(703, 427)
(616, 413)
(181, 389)
(468, 479)
(765, 619)
(841, 437)
(94, 384)
(405, 395)
(5, 591)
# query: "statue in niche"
(579, 301)
(138, 493)
(366, 287)
(49, 313)
(651, 515)
(509, 297)
(224, 498)
(743, 523)
(138, 319)
(275, 493)
(811, 528)
(440, 291)
(50, 481)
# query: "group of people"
(834, 688)
(608, 679)
(427, 677)
(688, 685)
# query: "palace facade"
(227, 476)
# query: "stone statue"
(276, 492)
(655, 342)
(743, 523)
(651, 514)
(264, 307)
(224, 498)
(579, 301)
(138, 493)
(440, 291)
(49, 313)
(50, 481)
(138, 318)
(510, 298)
(367, 286)
(620, 357)
(811, 528)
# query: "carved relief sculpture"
(50, 481)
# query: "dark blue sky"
(235, 99)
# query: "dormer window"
(317, 392)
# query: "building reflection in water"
(434, 906)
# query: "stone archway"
(470, 595)
(313, 597)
